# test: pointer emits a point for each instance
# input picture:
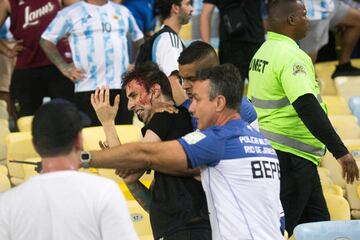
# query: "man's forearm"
(141, 194)
(53, 54)
(166, 157)
(111, 135)
(315, 119)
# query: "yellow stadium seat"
(4, 131)
(332, 189)
(346, 126)
(353, 198)
(186, 32)
(19, 147)
(339, 208)
(29, 170)
(24, 123)
(336, 105)
(4, 170)
(126, 133)
(140, 219)
(4, 183)
(348, 86)
(92, 136)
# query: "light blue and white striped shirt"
(98, 38)
(319, 9)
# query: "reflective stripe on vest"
(274, 104)
(278, 138)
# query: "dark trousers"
(190, 234)
(300, 191)
(238, 53)
(83, 103)
(29, 86)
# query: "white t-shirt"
(65, 205)
(240, 174)
(98, 37)
(166, 51)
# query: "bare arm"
(167, 157)
(205, 21)
(106, 113)
(55, 57)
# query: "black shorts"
(83, 103)
(29, 86)
(300, 191)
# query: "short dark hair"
(164, 7)
(55, 127)
(279, 7)
(225, 80)
(149, 74)
(197, 50)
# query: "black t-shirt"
(253, 29)
(175, 200)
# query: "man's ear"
(291, 19)
(220, 103)
(175, 9)
(155, 90)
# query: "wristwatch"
(85, 159)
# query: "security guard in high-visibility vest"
(291, 114)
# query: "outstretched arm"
(167, 157)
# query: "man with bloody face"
(176, 201)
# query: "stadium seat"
(353, 198)
(19, 147)
(329, 230)
(92, 136)
(4, 170)
(140, 219)
(332, 189)
(336, 105)
(346, 126)
(24, 123)
(324, 173)
(4, 131)
(3, 110)
(126, 133)
(348, 86)
(4, 183)
(339, 208)
(323, 72)
(29, 170)
(330, 163)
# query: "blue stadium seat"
(354, 105)
(349, 230)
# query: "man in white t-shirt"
(98, 31)
(168, 45)
(62, 203)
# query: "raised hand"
(100, 100)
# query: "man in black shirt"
(241, 30)
(176, 203)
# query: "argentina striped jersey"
(98, 37)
